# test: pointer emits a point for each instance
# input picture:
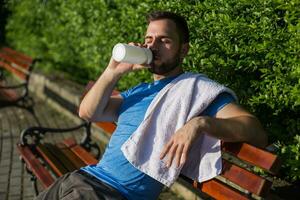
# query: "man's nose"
(152, 44)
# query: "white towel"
(178, 102)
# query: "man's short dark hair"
(180, 22)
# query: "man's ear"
(184, 50)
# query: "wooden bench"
(237, 181)
(45, 161)
(20, 66)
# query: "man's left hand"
(178, 147)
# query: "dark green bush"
(3, 17)
(251, 46)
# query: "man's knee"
(54, 191)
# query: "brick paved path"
(14, 181)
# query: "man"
(114, 177)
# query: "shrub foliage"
(251, 46)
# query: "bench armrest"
(13, 86)
(37, 133)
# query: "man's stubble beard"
(166, 67)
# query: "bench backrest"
(16, 62)
(236, 181)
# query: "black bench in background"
(20, 66)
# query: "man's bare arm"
(232, 124)
(98, 104)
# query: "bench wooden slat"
(253, 155)
(11, 59)
(21, 55)
(72, 157)
(15, 71)
(52, 161)
(35, 166)
(247, 180)
(220, 191)
(59, 154)
(85, 156)
(108, 127)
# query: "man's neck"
(174, 72)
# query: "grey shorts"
(79, 185)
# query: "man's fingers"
(166, 149)
(137, 67)
(135, 44)
(171, 155)
(184, 154)
(178, 155)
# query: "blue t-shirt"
(113, 168)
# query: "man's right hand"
(98, 104)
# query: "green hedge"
(251, 46)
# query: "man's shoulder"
(137, 88)
(196, 77)
(203, 83)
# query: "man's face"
(162, 38)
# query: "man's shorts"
(80, 185)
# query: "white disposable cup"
(131, 54)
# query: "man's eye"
(165, 40)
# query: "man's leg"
(79, 185)
(53, 192)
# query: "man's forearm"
(99, 95)
(236, 129)
(98, 105)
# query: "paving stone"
(3, 189)
(4, 169)
(28, 188)
(26, 176)
(5, 162)
(15, 181)
(5, 155)
(28, 192)
(28, 197)
(14, 197)
(2, 195)
(4, 178)
(3, 184)
(5, 134)
(15, 192)
(16, 173)
(16, 161)
(17, 165)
